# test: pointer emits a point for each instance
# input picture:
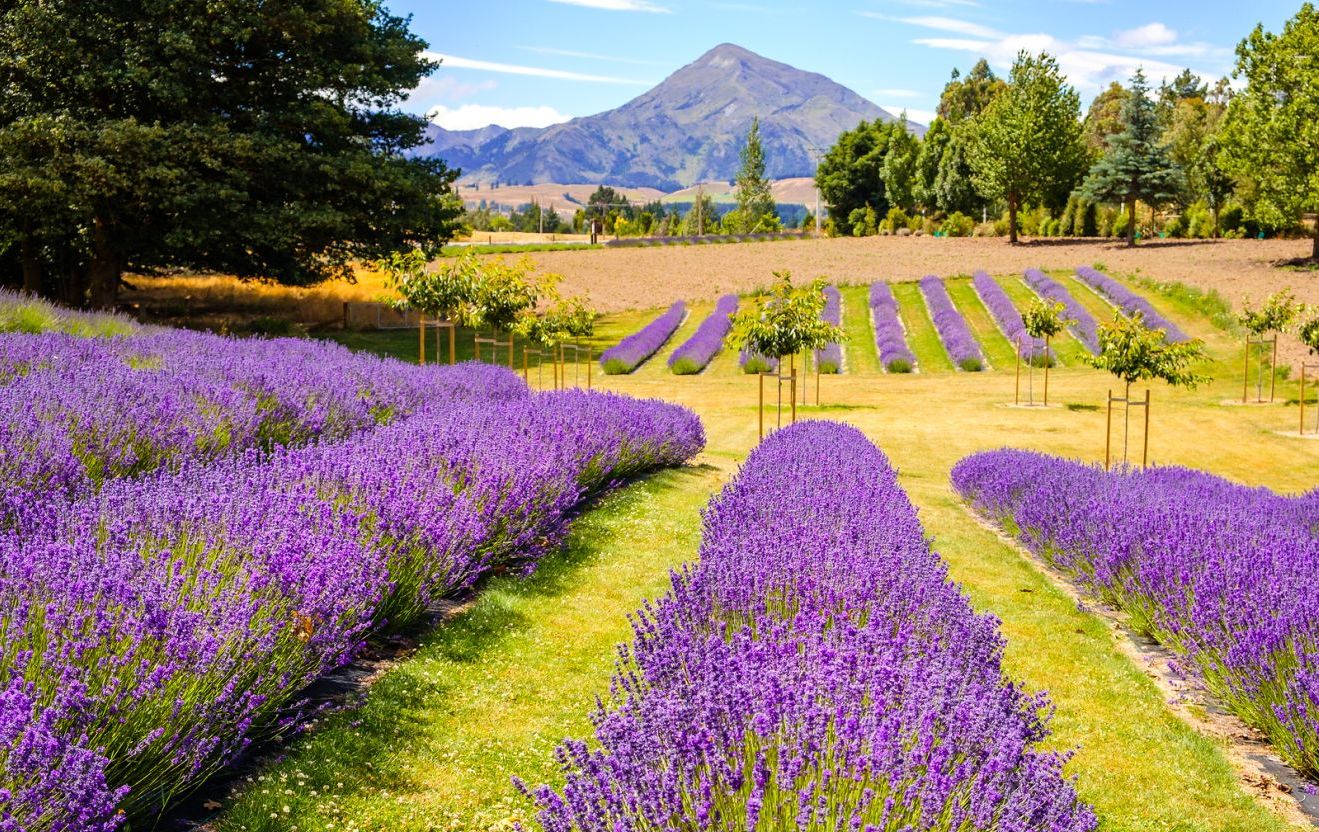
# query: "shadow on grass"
(355, 747)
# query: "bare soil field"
(619, 279)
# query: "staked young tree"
(1271, 136)
(1137, 165)
(1027, 141)
(255, 139)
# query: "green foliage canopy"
(1044, 319)
(1133, 352)
(785, 320)
(1277, 314)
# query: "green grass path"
(491, 693)
(993, 343)
(859, 352)
(922, 337)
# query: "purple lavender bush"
(1131, 303)
(77, 412)
(1009, 320)
(1082, 322)
(628, 354)
(1220, 573)
(153, 630)
(830, 359)
(890, 337)
(700, 349)
(962, 346)
(815, 669)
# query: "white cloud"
(449, 88)
(616, 5)
(455, 62)
(952, 24)
(472, 116)
(590, 56)
(1151, 34)
(922, 117)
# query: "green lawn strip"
(922, 337)
(1141, 766)
(1070, 352)
(1096, 304)
(859, 353)
(489, 694)
(995, 345)
(658, 364)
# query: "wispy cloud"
(474, 116)
(896, 93)
(456, 62)
(590, 56)
(616, 5)
(954, 25)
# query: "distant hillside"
(689, 129)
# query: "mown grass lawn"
(489, 694)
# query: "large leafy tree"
(1193, 137)
(756, 210)
(1138, 165)
(850, 176)
(258, 139)
(899, 171)
(1027, 140)
(1104, 119)
(1272, 132)
(965, 97)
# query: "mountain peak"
(690, 128)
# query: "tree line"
(1214, 159)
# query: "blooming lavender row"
(830, 359)
(76, 412)
(1082, 323)
(700, 349)
(1221, 573)
(962, 346)
(890, 338)
(628, 354)
(1009, 319)
(814, 670)
(1131, 303)
(150, 632)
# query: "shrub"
(958, 225)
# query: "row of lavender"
(830, 359)
(954, 332)
(151, 631)
(696, 353)
(1221, 573)
(1009, 319)
(890, 336)
(76, 412)
(814, 670)
(629, 354)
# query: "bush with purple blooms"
(628, 354)
(815, 669)
(700, 349)
(77, 412)
(830, 359)
(1131, 303)
(890, 337)
(154, 629)
(1083, 324)
(962, 346)
(1009, 319)
(1221, 573)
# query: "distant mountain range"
(689, 129)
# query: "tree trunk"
(1131, 222)
(1012, 219)
(1315, 253)
(105, 268)
(1216, 222)
(31, 261)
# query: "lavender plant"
(700, 349)
(890, 337)
(815, 669)
(628, 354)
(1010, 320)
(956, 335)
(1083, 324)
(1131, 303)
(1221, 573)
(150, 632)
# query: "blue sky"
(536, 62)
